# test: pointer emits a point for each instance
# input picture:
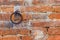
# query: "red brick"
(10, 37)
(39, 24)
(13, 31)
(0, 16)
(56, 8)
(23, 31)
(0, 37)
(5, 17)
(26, 16)
(28, 9)
(35, 8)
(36, 2)
(49, 9)
(54, 16)
(20, 2)
(27, 38)
(46, 9)
(8, 9)
(54, 37)
(9, 32)
(50, 38)
(1, 32)
(57, 37)
(38, 9)
(54, 30)
(5, 32)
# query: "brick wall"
(41, 20)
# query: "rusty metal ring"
(17, 14)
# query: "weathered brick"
(10, 37)
(24, 31)
(39, 24)
(54, 37)
(13, 31)
(49, 8)
(51, 24)
(5, 17)
(0, 37)
(57, 23)
(35, 8)
(26, 16)
(54, 16)
(8, 9)
(39, 33)
(54, 30)
(10, 32)
(2, 24)
(23, 9)
(28, 9)
(1, 32)
(46, 9)
(56, 8)
(27, 38)
(0, 16)
(36, 2)
(5, 32)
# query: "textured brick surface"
(54, 30)
(54, 37)
(39, 24)
(24, 32)
(56, 8)
(27, 38)
(10, 37)
(41, 20)
(54, 16)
